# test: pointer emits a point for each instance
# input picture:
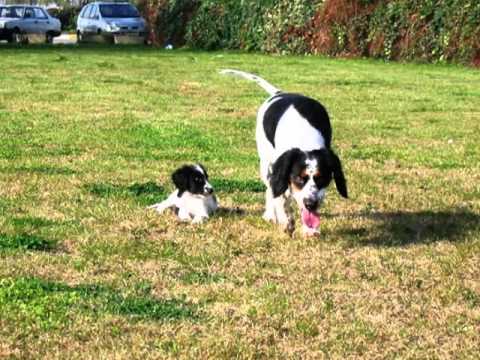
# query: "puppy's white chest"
(198, 205)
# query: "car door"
(94, 20)
(42, 21)
(90, 24)
(84, 20)
(28, 25)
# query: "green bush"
(228, 24)
(286, 25)
(429, 30)
(67, 16)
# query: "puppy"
(293, 138)
(193, 200)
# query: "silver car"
(18, 22)
(110, 21)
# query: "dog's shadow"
(231, 185)
(402, 228)
(143, 193)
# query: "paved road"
(71, 39)
(65, 39)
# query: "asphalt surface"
(65, 39)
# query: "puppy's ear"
(338, 176)
(282, 169)
(204, 170)
(180, 179)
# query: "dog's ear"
(338, 176)
(180, 179)
(204, 170)
(281, 170)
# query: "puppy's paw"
(199, 219)
(159, 208)
(183, 215)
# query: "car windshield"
(118, 11)
(12, 12)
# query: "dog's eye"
(321, 181)
(197, 179)
(301, 180)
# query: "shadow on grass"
(25, 234)
(51, 303)
(25, 241)
(41, 169)
(145, 194)
(230, 212)
(230, 185)
(418, 227)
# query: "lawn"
(89, 138)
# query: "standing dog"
(296, 160)
(193, 200)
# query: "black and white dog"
(193, 200)
(293, 140)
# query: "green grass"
(89, 138)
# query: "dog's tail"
(264, 84)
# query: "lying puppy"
(193, 200)
(293, 140)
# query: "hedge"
(427, 30)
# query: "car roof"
(21, 5)
(109, 3)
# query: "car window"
(118, 11)
(82, 13)
(94, 12)
(39, 13)
(88, 11)
(13, 12)
(29, 13)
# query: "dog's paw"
(309, 232)
(269, 216)
(199, 219)
(184, 215)
(289, 227)
(159, 209)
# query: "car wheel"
(49, 38)
(80, 37)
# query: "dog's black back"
(308, 108)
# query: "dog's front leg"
(184, 214)
(165, 204)
(269, 214)
(284, 214)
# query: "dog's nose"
(310, 204)
(209, 190)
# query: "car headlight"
(112, 27)
(2, 25)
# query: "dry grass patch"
(92, 135)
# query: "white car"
(19, 21)
(110, 21)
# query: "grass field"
(89, 137)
